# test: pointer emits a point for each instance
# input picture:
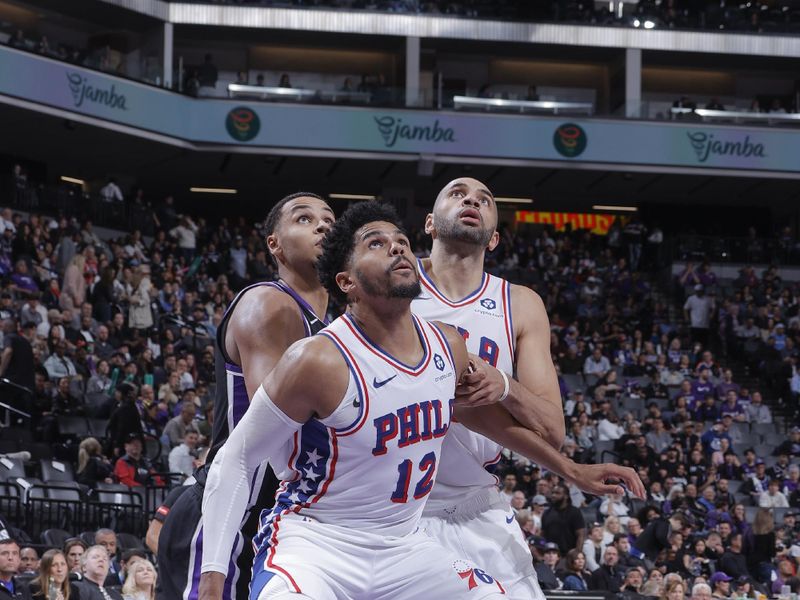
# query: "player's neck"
(391, 327)
(455, 269)
(309, 289)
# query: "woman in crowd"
(674, 590)
(762, 546)
(140, 583)
(93, 467)
(53, 580)
(73, 551)
(576, 576)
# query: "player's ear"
(493, 241)
(345, 282)
(274, 246)
(429, 224)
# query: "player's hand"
(608, 478)
(211, 586)
(482, 384)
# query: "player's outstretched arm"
(496, 422)
(535, 399)
(306, 381)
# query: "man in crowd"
(562, 523)
(720, 583)
(95, 564)
(608, 576)
(546, 569)
(9, 567)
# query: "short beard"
(403, 290)
(452, 230)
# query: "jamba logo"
(570, 140)
(705, 145)
(392, 129)
(242, 124)
(83, 92)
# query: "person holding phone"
(53, 580)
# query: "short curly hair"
(337, 248)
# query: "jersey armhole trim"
(361, 386)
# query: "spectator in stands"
(17, 362)
(698, 310)
(140, 583)
(593, 547)
(60, 365)
(720, 583)
(655, 536)
(701, 591)
(175, 430)
(546, 569)
(674, 590)
(95, 565)
(186, 234)
(732, 561)
(93, 467)
(608, 575)
(124, 421)
(133, 469)
(562, 523)
(576, 577)
(757, 411)
(111, 192)
(632, 585)
(596, 364)
(773, 497)
(28, 560)
(183, 458)
(108, 540)
(9, 566)
(761, 550)
(74, 549)
(284, 81)
(715, 104)
(53, 575)
(786, 572)
(791, 446)
(140, 315)
(207, 76)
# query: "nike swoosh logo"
(510, 519)
(377, 384)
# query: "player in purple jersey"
(260, 324)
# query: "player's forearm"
(497, 424)
(262, 432)
(542, 414)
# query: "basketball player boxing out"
(260, 324)
(364, 407)
(507, 327)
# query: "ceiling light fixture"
(615, 208)
(73, 180)
(351, 197)
(211, 190)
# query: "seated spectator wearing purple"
(94, 564)
(22, 282)
(727, 384)
(785, 573)
(703, 386)
(733, 407)
(720, 583)
(9, 566)
(133, 469)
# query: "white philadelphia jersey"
(484, 319)
(371, 465)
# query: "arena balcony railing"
(757, 17)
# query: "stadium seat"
(765, 431)
(7, 446)
(87, 537)
(764, 450)
(55, 538)
(589, 514)
(56, 471)
(73, 427)
(68, 491)
(734, 485)
(663, 403)
(574, 381)
(127, 541)
(11, 468)
(750, 513)
(603, 446)
(98, 428)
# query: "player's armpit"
(535, 398)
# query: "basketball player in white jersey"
(365, 406)
(507, 327)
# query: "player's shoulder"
(264, 304)
(313, 365)
(317, 353)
